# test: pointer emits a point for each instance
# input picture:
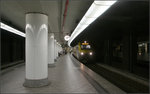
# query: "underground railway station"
(74, 46)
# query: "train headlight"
(82, 53)
(91, 53)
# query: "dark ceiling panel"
(119, 19)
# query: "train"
(83, 52)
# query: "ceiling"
(13, 12)
(122, 18)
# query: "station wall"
(12, 48)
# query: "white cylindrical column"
(59, 49)
(55, 50)
(36, 50)
(51, 54)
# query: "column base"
(36, 83)
(52, 65)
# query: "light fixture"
(82, 53)
(10, 29)
(96, 9)
(91, 53)
(67, 38)
(52, 36)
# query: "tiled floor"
(65, 77)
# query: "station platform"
(67, 76)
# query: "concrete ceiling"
(14, 12)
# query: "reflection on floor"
(65, 77)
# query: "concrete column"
(51, 52)
(36, 50)
(55, 50)
(58, 49)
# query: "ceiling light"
(10, 29)
(96, 9)
(67, 38)
(52, 37)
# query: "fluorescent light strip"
(96, 9)
(10, 29)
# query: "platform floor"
(65, 77)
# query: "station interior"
(74, 46)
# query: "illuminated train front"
(84, 52)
